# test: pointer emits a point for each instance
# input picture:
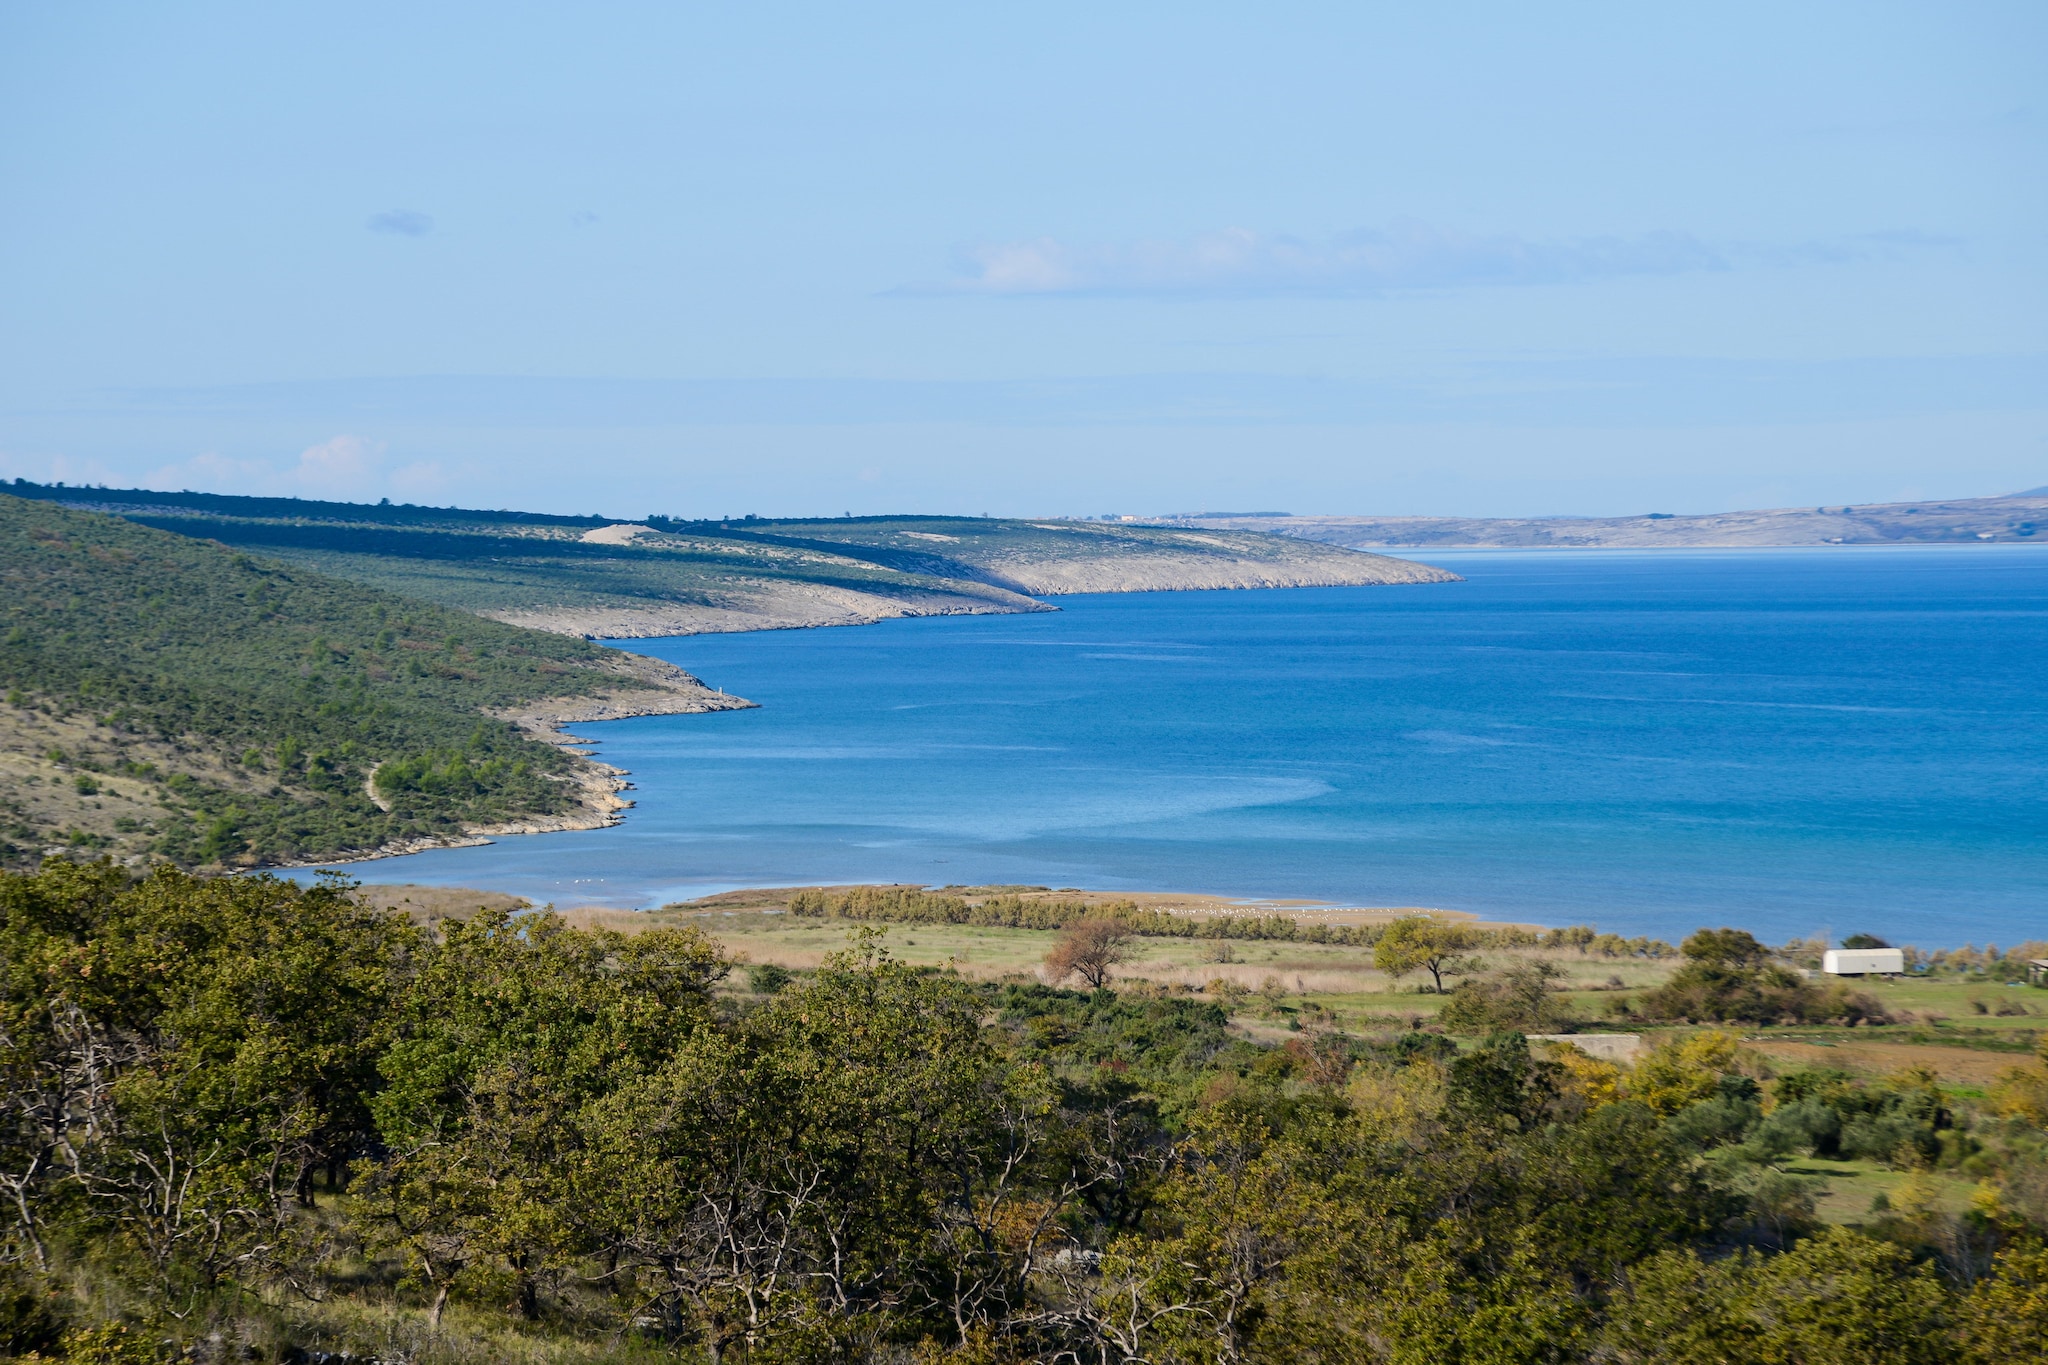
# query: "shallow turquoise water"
(1793, 741)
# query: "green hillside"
(173, 697)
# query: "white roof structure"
(1863, 961)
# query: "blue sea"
(1795, 742)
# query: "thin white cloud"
(342, 468)
(56, 469)
(212, 472)
(1406, 255)
(402, 222)
(340, 465)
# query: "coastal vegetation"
(167, 697)
(591, 575)
(1040, 908)
(249, 1120)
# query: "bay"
(1792, 741)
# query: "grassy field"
(1852, 1189)
(1964, 1031)
(1338, 979)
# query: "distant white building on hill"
(1863, 961)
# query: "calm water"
(1792, 741)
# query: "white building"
(1863, 961)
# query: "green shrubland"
(252, 701)
(248, 1120)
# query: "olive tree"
(1440, 947)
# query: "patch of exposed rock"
(777, 605)
(1171, 572)
(647, 687)
(619, 533)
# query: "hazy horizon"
(1152, 514)
(1477, 261)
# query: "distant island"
(604, 578)
(2017, 517)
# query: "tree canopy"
(245, 1116)
(1423, 943)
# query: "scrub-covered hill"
(176, 698)
(595, 577)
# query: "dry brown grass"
(425, 904)
(1294, 978)
(1955, 1065)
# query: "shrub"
(766, 978)
(32, 1312)
(1726, 1117)
(1517, 998)
(1728, 977)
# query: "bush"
(112, 1344)
(765, 978)
(32, 1312)
(1728, 1117)
(1837, 1297)
(1517, 998)
(1834, 1115)
(570, 1128)
(1684, 1071)
(1728, 977)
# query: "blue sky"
(706, 260)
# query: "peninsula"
(605, 578)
